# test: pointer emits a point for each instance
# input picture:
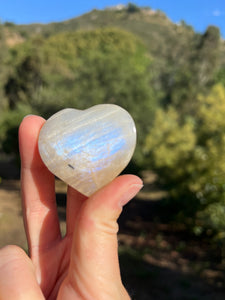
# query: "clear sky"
(197, 13)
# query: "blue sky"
(197, 13)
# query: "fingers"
(38, 193)
(94, 269)
(17, 276)
(74, 203)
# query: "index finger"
(38, 190)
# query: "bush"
(188, 153)
(132, 8)
(9, 124)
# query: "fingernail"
(27, 116)
(130, 193)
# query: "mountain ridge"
(154, 28)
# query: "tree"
(3, 69)
(191, 67)
(169, 149)
(24, 82)
(169, 141)
(208, 56)
(211, 136)
(132, 8)
(220, 76)
(81, 69)
(189, 156)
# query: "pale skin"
(84, 263)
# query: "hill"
(157, 31)
(173, 47)
(153, 27)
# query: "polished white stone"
(88, 148)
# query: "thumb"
(17, 276)
(94, 268)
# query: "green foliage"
(132, 8)
(9, 124)
(192, 65)
(3, 68)
(189, 155)
(220, 76)
(211, 135)
(169, 142)
(184, 62)
(208, 55)
(81, 69)
(26, 79)
(9, 24)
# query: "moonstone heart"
(88, 148)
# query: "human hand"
(83, 264)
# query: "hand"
(83, 264)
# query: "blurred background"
(165, 64)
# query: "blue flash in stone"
(87, 149)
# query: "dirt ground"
(157, 261)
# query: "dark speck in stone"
(69, 165)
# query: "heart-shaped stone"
(88, 148)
